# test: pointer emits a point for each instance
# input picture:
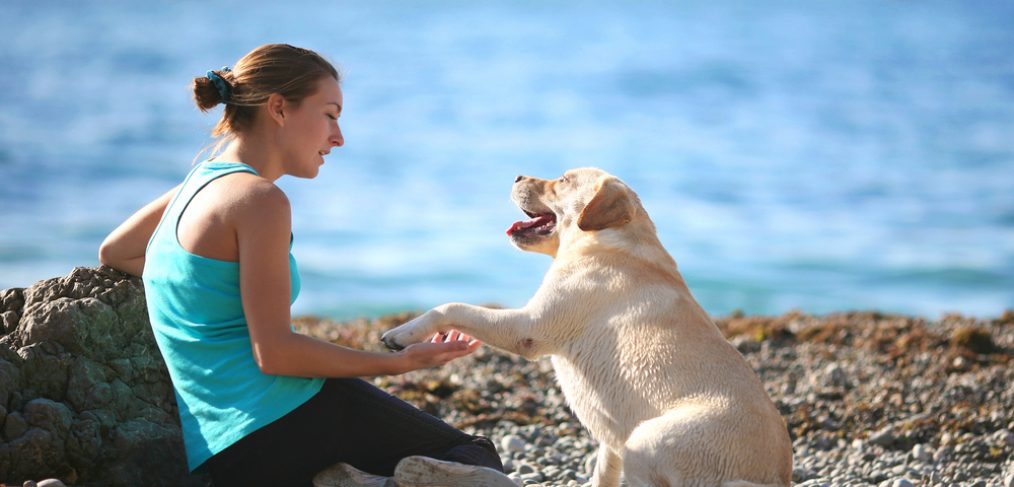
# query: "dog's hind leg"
(696, 444)
(608, 466)
(679, 448)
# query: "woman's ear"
(276, 106)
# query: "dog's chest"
(600, 406)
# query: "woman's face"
(311, 129)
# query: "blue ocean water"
(821, 156)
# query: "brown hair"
(290, 71)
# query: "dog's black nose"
(519, 178)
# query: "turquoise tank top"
(197, 317)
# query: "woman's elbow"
(262, 360)
(268, 361)
(111, 252)
(109, 258)
(106, 255)
(267, 367)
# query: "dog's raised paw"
(390, 343)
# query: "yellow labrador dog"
(669, 400)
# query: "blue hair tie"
(220, 83)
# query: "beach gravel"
(868, 398)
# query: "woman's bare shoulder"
(253, 199)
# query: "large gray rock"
(84, 394)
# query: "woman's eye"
(332, 117)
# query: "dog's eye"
(564, 179)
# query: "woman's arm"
(263, 225)
(124, 248)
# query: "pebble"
(942, 454)
(921, 453)
(830, 377)
(801, 474)
(531, 477)
(902, 482)
(815, 483)
(589, 464)
(1004, 437)
(511, 444)
(525, 469)
(883, 437)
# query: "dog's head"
(582, 200)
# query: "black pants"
(349, 421)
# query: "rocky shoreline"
(869, 398)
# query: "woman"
(260, 404)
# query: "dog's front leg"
(608, 466)
(507, 329)
(415, 330)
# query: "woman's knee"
(478, 450)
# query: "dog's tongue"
(534, 222)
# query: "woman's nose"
(337, 139)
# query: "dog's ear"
(610, 207)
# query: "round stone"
(512, 443)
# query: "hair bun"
(206, 95)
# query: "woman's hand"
(439, 350)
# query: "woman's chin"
(313, 168)
(308, 171)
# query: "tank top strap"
(199, 177)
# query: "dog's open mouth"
(541, 224)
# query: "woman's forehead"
(329, 91)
